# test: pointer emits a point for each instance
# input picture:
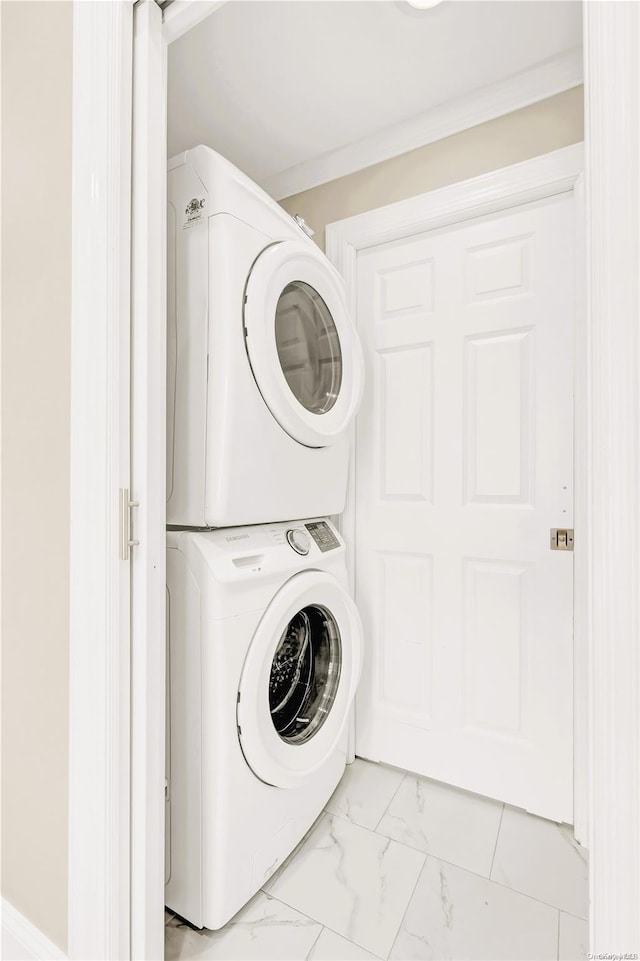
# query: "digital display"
(323, 535)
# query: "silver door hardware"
(126, 541)
(561, 539)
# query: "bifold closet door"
(464, 463)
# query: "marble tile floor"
(399, 867)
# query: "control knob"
(299, 540)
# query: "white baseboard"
(23, 941)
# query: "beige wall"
(36, 302)
(545, 126)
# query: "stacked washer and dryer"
(264, 642)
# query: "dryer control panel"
(323, 535)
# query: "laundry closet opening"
(374, 243)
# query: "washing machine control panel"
(323, 535)
(299, 540)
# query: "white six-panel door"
(464, 458)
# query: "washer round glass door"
(305, 674)
(302, 345)
(299, 679)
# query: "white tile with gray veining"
(353, 881)
(264, 930)
(458, 916)
(333, 947)
(348, 893)
(364, 792)
(454, 825)
(574, 938)
(542, 859)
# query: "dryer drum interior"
(308, 347)
(305, 674)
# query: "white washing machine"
(265, 651)
(265, 370)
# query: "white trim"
(581, 524)
(544, 80)
(612, 129)
(99, 656)
(546, 176)
(182, 15)
(23, 941)
(148, 474)
(612, 40)
(553, 173)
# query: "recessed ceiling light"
(423, 4)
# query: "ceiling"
(274, 84)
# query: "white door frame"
(612, 41)
(99, 634)
(550, 175)
(100, 723)
(148, 473)
(116, 647)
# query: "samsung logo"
(238, 537)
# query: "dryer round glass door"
(299, 679)
(308, 347)
(302, 345)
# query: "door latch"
(126, 541)
(561, 539)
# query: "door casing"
(102, 916)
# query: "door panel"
(464, 461)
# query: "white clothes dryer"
(265, 370)
(265, 651)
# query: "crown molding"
(522, 183)
(544, 80)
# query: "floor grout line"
(377, 834)
(495, 846)
(452, 864)
(577, 917)
(327, 926)
(310, 951)
(393, 797)
(507, 887)
(404, 913)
